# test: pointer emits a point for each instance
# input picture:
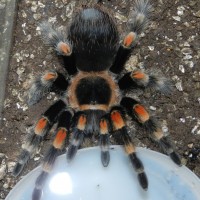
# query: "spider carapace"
(92, 97)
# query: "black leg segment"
(37, 134)
(54, 151)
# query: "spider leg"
(139, 79)
(138, 21)
(50, 81)
(141, 115)
(55, 150)
(37, 134)
(57, 39)
(78, 132)
(104, 141)
(121, 136)
(99, 1)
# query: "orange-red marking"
(103, 126)
(65, 48)
(81, 122)
(141, 113)
(60, 138)
(117, 120)
(41, 124)
(128, 40)
(138, 75)
(129, 148)
(158, 134)
(50, 76)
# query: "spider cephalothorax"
(92, 102)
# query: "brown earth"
(170, 45)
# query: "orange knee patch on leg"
(129, 148)
(141, 113)
(50, 76)
(41, 125)
(129, 39)
(138, 75)
(117, 120)
(47, 167)
(158, 134)
(60, 138)
(103, 126)
(81, 122)
(64, 48)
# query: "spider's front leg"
(141, 115)
(138, 21)
(121, 135)
(37, 134)
(61, 134)
(58, 39)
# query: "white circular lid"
(84, 178)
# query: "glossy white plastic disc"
(84, 178)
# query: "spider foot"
(105, 158)
(22, 160)
(142, 177)
(176, 158)
(139, 16)
(28, 149)
(167, 146)
(37, 192)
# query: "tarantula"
(92, 101)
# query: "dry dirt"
(170, 45)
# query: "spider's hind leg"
(78, 133)
(55, 150)
(48, 82)
(57, 39)
(121, 135)
(104, 140)
(138, 21)
(37, 135)
(141, 115)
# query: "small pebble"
(190, 145)
(37, 16)
(152, 108)
(11, 166)
(179, 86)
(181, 68)
(177, 18)
(36, 158)
(3, 170)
